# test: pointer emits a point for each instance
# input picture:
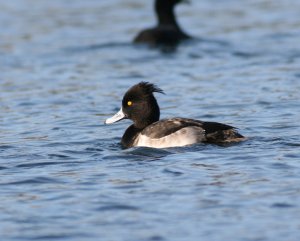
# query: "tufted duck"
(167, 32)
(140, 105)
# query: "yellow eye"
(129, 103)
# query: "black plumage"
(167, 32)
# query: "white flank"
(185, 136)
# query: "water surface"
(64, 176)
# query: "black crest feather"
(149, 88)
(140, 91)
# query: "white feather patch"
(185, 136)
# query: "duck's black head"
(165, 13)
(167, 3)
(139, 105)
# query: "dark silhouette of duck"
(167, 32)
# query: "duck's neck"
(143, 123)
(150, 115)
(165, 13)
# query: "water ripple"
(36, 180)
(117, 207)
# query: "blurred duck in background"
(167, 32)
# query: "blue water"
(64, 66)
